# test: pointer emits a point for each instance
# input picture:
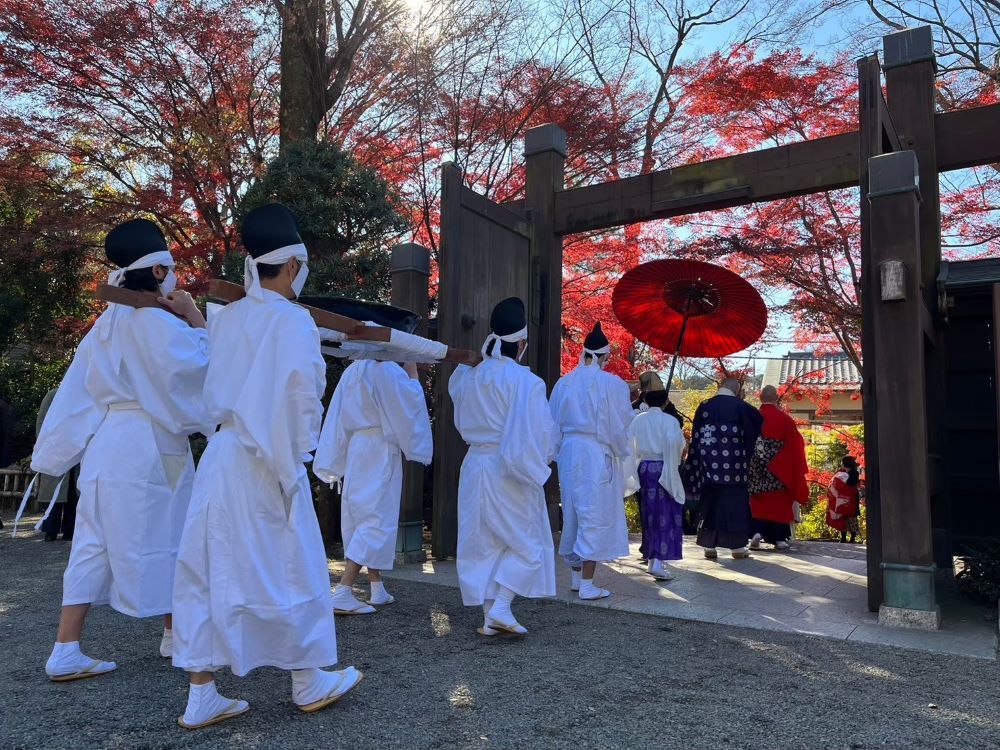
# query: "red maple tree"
(163, 109)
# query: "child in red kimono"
(843, 500)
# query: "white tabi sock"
(589, 591)
(500, 612)
(67, 659)
(576, 576)
(167, 643)
(345, 601)
(311, 685)
(380, 595)
(205, 704)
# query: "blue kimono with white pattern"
(723, 436)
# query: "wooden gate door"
(484, 257)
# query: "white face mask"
(521, 354)
(299, 282)
(169, 283)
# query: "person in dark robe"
(777, 474)
(723, 436)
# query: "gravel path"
(585, 678)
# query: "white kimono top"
(374, 396)
(252, 587)
(124, 410)
(377, 413)
(504, 535)
(593, 412)
(657, 436)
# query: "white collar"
(725, 392)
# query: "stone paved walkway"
(818, 588)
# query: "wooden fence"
(13, 482)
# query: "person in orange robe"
(777, 474)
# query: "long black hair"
(851, 464)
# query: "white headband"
(107, 322)
(510, 338)
(159, 258)
(251, 277)
(595, 353)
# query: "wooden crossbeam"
(782, 172)
(964, 138)
(967, 137)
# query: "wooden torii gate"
(894, 157)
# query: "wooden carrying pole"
(229, 292)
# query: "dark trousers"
(772, 532)
(62, 519)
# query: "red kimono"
(841, 502)
(788, 467)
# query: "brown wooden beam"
(410, 273)
(495, 212)
(964, 138)
(872, 113)
(967, 137)
(899, 342)
(781, 172)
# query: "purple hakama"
(662, 516)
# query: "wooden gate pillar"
(910, 94)
(900, 321)
(545, 158)
(411, 270)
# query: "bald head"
(732, 384)
(769, 395)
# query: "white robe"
(126, 406)
(657, 436)
(504, 536)
(593, 412)
(252, 587)
(377, 412)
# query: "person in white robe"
(657, 448)
(252, 587)
(591, 407)
(504, 536)
(126, 406)
(377, 416)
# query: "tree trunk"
(303, 86)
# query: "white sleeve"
(530, 437)
(631, 463)
(281, 405)
(673, 451)
(71, 421)
(618, 418)
(330, 462)
(403, 412)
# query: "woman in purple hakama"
(662, 516)
(657, 448)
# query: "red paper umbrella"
(689, 308)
